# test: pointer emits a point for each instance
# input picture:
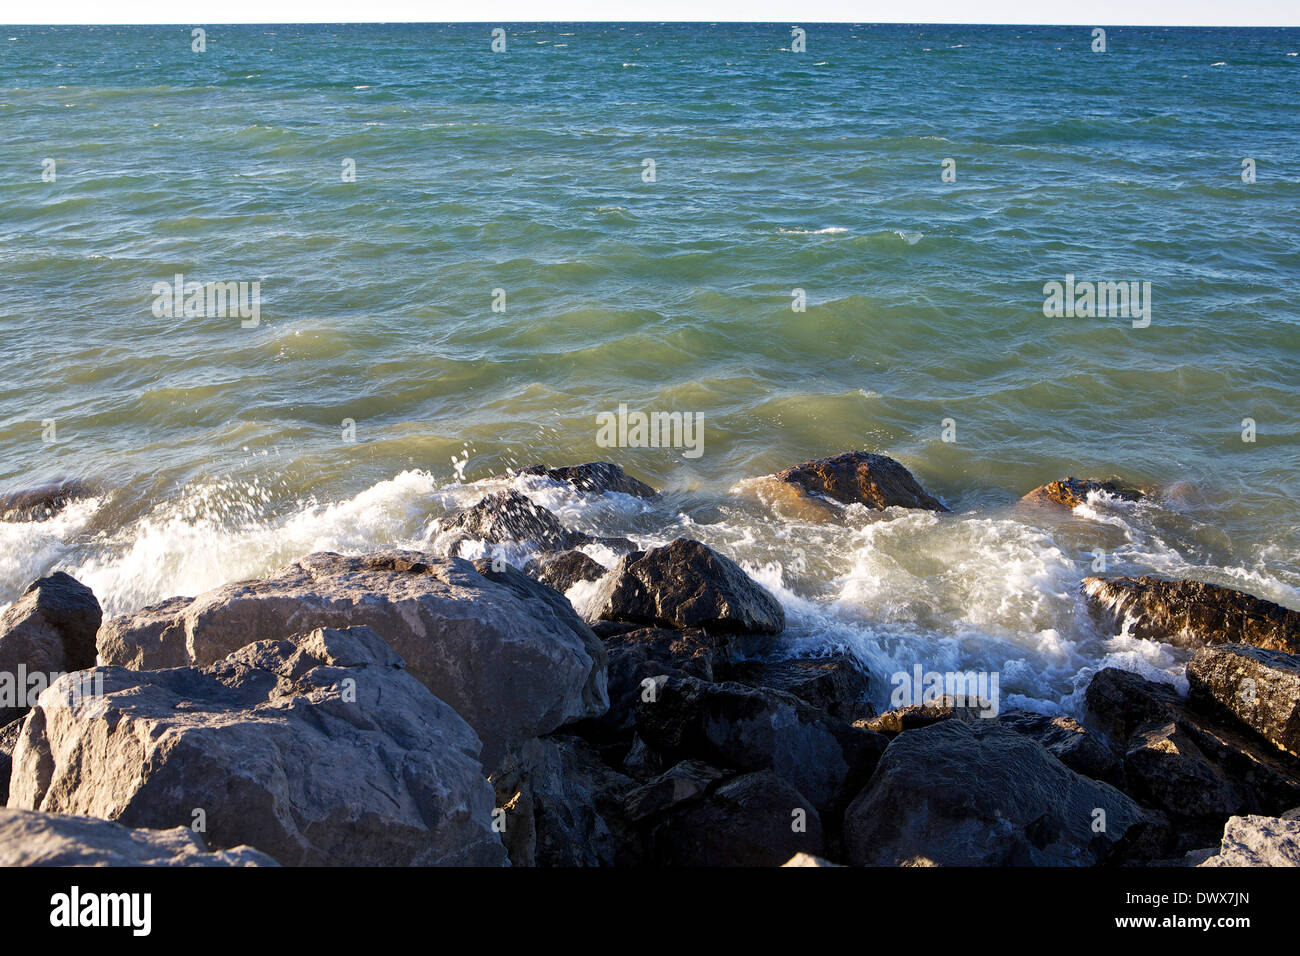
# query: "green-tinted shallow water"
(219, 448)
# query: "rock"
(563, 806)
(807, 859)
(685, 584)
(8, 740)
(893, 722)
(1193, 613)
(48, 631)
(563, 569)
(597, 478)
(858, 477)
(509, 654)
(1258, 841)
(1069, 742)
(975, 793)
(1072, 492)
(41, 502)
(317, 750)
(836, 683)
(749, 729)
(679, 784)
(1257, 687)
(641, 655)
(509, 516)
(1187, 763)
(756, 819)
(28, 838)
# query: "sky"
(1107, 13)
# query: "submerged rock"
(509, 654)
(318, 750)
(43, 501)
(1193, 613)
(1258, 841)
(29, 838)
(859, 477)
(50, 630)
(1072, 492)
(975, 793)
(686, 584)
(756, 819)
(596, 477)
(1256, 687)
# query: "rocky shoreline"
(421, 708)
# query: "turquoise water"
(218, 450)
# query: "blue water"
(218, 450)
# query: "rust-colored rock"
(1070, 492)
(859, 477)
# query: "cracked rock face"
(509, 654)
(28, 838)
(1258, 841)
(859, 477)
(1256, 687)
(1193, 613)
(317, 750)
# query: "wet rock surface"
(859, 477)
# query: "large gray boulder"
(975, 793)
(1258, 841)
(859, 477)
(1258, 688)
(318, 750)
(29, 838)
(686, 584)
(1192, 613)
(509, 654)
(750, 729)
(48, 631)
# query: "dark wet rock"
(976, 793)
(1257, 841)
(686, 584)
(29, 838)
(596, 478)
(836, 683)
(756, 819)
(639, 656)
(317, 750)
(1193, 613)
(563, 569)
(1071, 743)
(893, 722)
(1191, 765)
(563, 806)
(44, 501)
(1256, 687)
(748, 728)
(1071, 492)
(509, 654)
(509, 516)
(859, 477)
(49, 630)
(680, 784)
(8, 740)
